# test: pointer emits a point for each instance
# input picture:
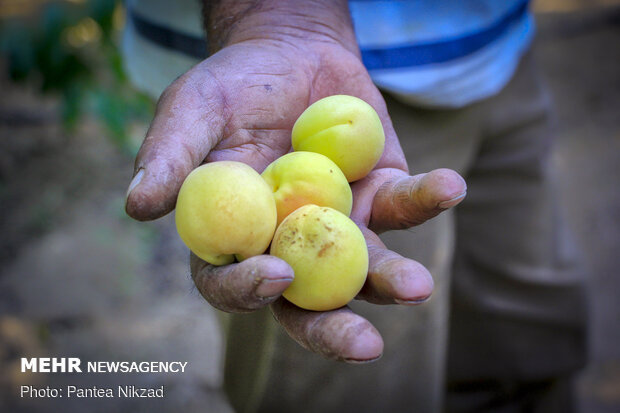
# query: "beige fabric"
(517, 304)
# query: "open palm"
(240, 104)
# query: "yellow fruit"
(225, 208)
(328, 253)
(301, 178)
(345, 129)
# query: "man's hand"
(276, 58)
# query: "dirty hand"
(240, 104)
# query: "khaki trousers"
(508, 305)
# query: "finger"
(338, 334)
(188, 123)
(243, 287)
(390, 199)
(411, 200)
(393, 279)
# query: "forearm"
(232, 21)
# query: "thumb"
(188, 123)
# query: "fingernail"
(355, 361)
(412, 302)
(135, 181)
(272, 287)
(451, 202)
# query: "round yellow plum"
(225, 209)
(301, 178)
(328, 253)
(344, 128)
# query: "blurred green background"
(70, 49)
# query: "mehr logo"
(51, 365)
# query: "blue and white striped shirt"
(441, 53)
